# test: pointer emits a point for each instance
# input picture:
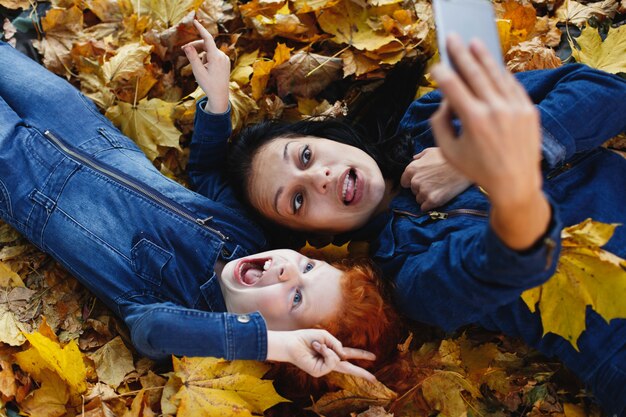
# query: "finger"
(198, 45)
(407, 176)
(492, 69)
(415, 189)
(209, 43)
(350, 369)
(331, 359)
(334, 344)
(458, 95)
(353, 353)
(419, 155)
(472, 73)
(194, 59)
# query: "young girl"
(173, 264)
(469, 261)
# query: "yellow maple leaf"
(215, 387)
(47, 355)
(260, 76)
(348, 22)
(585, 276)
(243, 68)
(282, 53)
(609, 56)
(149, 124)
(168, 13)
(128, 62)
(241, 106)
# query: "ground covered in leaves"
(63, 353)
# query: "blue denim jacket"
(451, 269)
(146, 246)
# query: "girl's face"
(290, 290)
(315, 184)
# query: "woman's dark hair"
(370, 126)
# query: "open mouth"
(349, 188)
(250, 271)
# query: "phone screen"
(470, 19)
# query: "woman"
(173, 264)
(469, 262)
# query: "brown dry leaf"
(128, 63)
(7, 233)
(167, 13)
(531, 55)
(62, 28)
(11, 329)
(15, 4)
(213, 387)
(357, 64)
(106, 10)
(8, 386)
(9, 32)
(167, 42)
(8, 277)
(149, 124)
(444, 391)
(50, 399)
(113, 361)
(375, 411)
(355, 394)
(347, 21)
(608, 55)
(577, 13)
(547, 31)
(306, 74)
(241, 105)
(215, 12)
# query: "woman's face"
(290, 290)
(314, 184)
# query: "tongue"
(251, 275)
(350, 189)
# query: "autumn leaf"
(15, 4)
(46, 355)
(127, 63)
(167, 13)
(306, 74)
(8, 277)
(10, 328)
(357, 64)
(215, 387)
(347, 21)
(260, 76)
(113, 361)
(609, 56)
(355, 394)
(50, 399)
(443, 391)
(578, 14)
(243, 68)
(149, 124)
(531, 55)
(586, 275)
(62, 28)
(242, 106)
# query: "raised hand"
(499, 146)
(211, 70)
(432, 179)
(316, 352)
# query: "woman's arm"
(499, 147)
(212, 125)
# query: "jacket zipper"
(145, 191)
(443, 215)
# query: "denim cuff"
(554, 150)
(532, 266)
(211, 125)
(246, 333)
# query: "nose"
(320, 179)
(287, 272)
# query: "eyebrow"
(280, 189)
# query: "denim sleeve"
(580, 109)
(161, 330)
(208, 150)
(468, 274)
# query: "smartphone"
(470, 19)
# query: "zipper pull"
(437, 215)
(203, 222)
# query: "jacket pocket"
(149, 260)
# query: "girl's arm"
(161, 330)
(499, 147)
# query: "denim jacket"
(451, 269)
(146, 246)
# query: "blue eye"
(305, 156)
(297, 202)
(297, 298)
(308, 267)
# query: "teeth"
(267, 264)
(345, 186)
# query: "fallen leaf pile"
(63, 353)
